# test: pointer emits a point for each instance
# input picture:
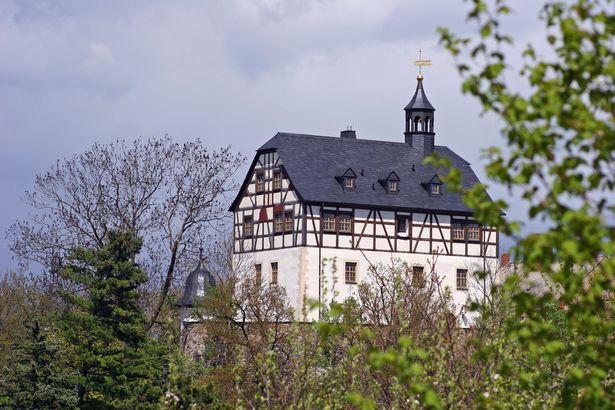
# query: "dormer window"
(390, 183)
(347, 180)
(433, 186)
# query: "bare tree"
(169, 193)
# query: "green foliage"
(35, 378)
(118, 366)
(561, 140)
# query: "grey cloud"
(76, 72)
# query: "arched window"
(428, 126)
(417, 120)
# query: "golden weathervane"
(421, 63)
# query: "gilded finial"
(421, 63)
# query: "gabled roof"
(349, 173)
(434, 180)
(392, 177)
(419, 101)
(312, 163)
(427, 185)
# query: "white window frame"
(356, 273)
(277, 179)
(465, 279)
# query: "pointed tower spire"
(420, 115)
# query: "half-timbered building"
(308, 199)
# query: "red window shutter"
(262, 216)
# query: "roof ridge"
(345, 140)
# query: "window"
(260, 182)
(342, 223)
(418, 277)
(278, 223)
(402, 226)
(277, 180)
(248, 226)
(258, 273)
(435, 189)
(391, 182)
(462, 279)
(349, 183)
(473, 232)
(464, 230)
(347, 180)
(350, 272)
(274, 273)
(345, 223)
(288, 221)
(458, 232)
(328, 222)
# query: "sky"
(76, 72)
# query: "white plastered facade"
(374, 238)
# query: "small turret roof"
(419, 101)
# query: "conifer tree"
(118, 365)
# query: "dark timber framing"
(370, 228)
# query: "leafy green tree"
(560, 137)
(118, 365)
(38, 377)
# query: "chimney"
(348, 133)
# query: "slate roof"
(191, 296)
(313, 162)
(419, 101)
